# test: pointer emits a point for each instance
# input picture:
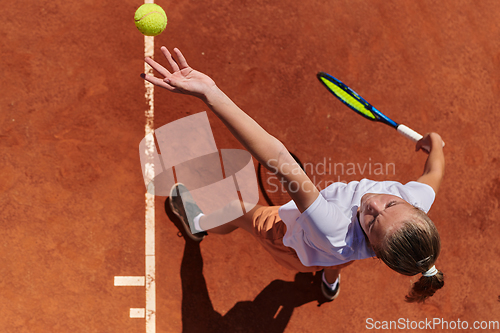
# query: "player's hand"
(182, 79)
(429, 141)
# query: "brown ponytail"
(425, 287)
(411, 250)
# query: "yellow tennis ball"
(150, 19)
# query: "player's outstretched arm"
(434, 166)
(268, 150)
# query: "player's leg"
(186, 209)
(244, 222)
(196, 223)
(330, 285)
(331, 274)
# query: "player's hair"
(411, 250)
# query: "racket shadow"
(270, 311)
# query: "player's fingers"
(421, 145)
(170, 59)
(182, 60)
(418, 146)
(176, 84)
(157, 67)
(156, 81)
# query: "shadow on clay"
(269, 312)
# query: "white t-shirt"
(328, 233)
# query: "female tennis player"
(325, 230)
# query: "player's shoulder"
(418, 194)
(418, 186)
(338, 188)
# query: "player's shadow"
(269, 312)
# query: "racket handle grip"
(409, 133)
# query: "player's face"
(380, 214)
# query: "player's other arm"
(267, 149)
(434, 166)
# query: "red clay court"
(72, 197)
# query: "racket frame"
(377, 115)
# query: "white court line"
(149, 280)
(137, 313)
(150, 310)
(130, 281)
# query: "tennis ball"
(150, 19)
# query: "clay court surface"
(72, 200)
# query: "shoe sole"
(325, 291)
(186, 226)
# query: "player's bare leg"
(331, 275)
(244, 222)
(330, 285)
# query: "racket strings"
(347, 96)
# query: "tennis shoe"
(328, 293)
(186, 209)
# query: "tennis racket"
(272, 189)
(350, 98)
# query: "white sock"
(332, 286)
(196, 221)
